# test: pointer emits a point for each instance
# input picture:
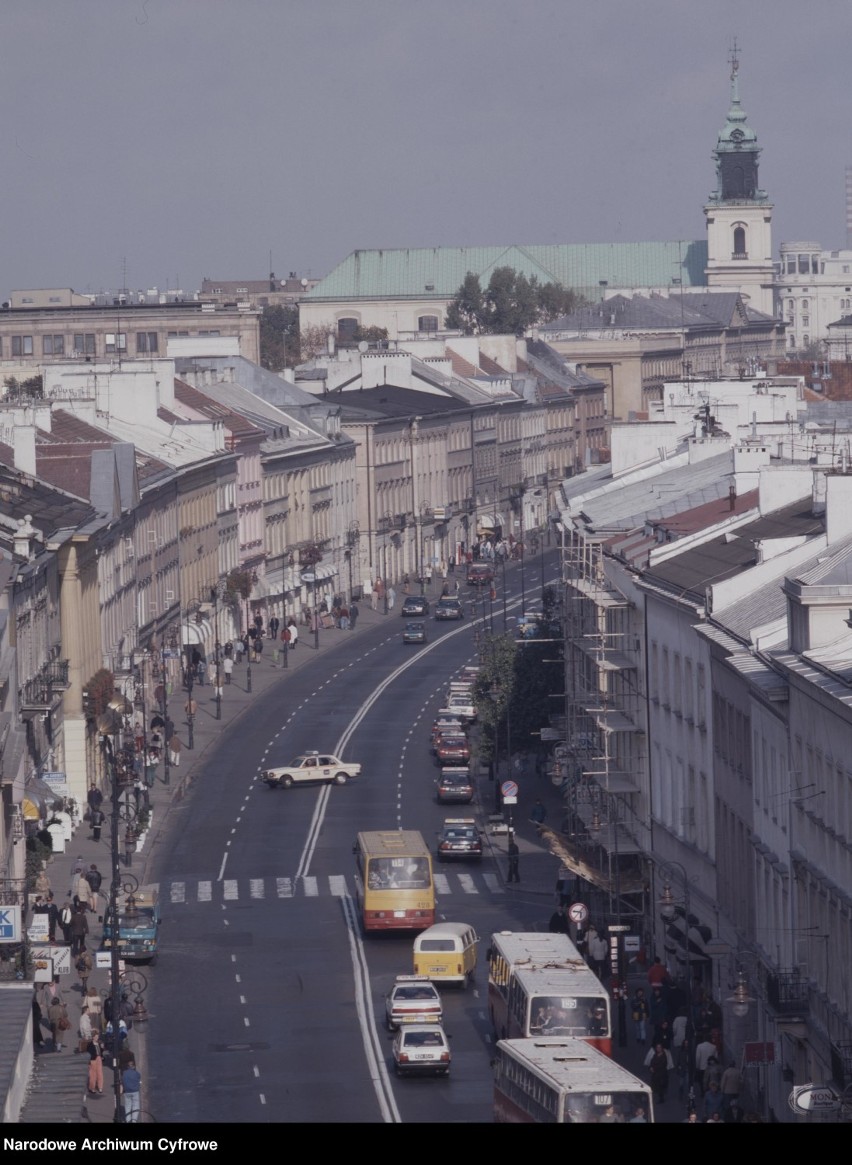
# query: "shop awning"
(490, 521)
(38, 800)
(194, 634)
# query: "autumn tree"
(279, 337)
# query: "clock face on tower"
(737, 136)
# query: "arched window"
(346, 329)
(427, 324)
(740, 243)
(805, 303)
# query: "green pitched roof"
(438, 272)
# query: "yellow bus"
(395, 890)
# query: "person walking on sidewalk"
(96, 1066)
(131, 1083)
(294, 632)
(659, 1063)
(354, 612)
(391, 598)
(228, 667)
(96, 819)
(538, 813)
(639, 1012)
(513, 852)
(79, 930)
(57, 1015)
(174, 747)
(83, 967)
(83, 891)
(94, 878)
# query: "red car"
(446, 724)
(452, 750)
(454, 786)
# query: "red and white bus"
(557, 1081)
(540, 985)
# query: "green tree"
(279, 337)
(371, 334)
(509, 305)
(467, 308)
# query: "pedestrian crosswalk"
(455, 883)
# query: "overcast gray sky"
(194, 137)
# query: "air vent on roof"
(430, 286)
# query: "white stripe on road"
(256, 887)
(205, 891)
(178, 892)
(467, 884)
(337, 885)
(231, 890)
(284, 887)
(311, 887)
(442, 883)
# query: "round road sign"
(509, 788)
(578, 912)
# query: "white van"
(446, 952)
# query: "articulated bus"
(565, 1081)
(540, 985)
(396, 890)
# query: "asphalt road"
(269, 1003)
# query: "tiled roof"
(438, 272)
(694, 309)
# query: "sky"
(154, 142)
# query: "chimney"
(25, 449)
(732, 496)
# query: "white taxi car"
(311, 767)
(412, 999)
(421, 1047)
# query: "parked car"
(421, 1048)
(462, 705)
(459, 840)
(452, 749)
(414, 632)
(449, 609)
(412, 999)
(414, 605)
(446, 722)
(311, 767)
(454, 786)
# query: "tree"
(466, 311)
(510, 305)
(313, 341)
(279, 337)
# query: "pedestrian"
(344, 618)
(293, 627)
(84, 1028)
(353, 615)
(274, 624)
(239, 648)
(714, 1101)
(79, 930)
(40, 906)
(83, 891)
(83, 967)
(513, 852)
(190, 707)
(733, 1113)
(96, 818)
(457, 586)
(95, 1009)
(38, 1035)
(175, 747)
(52, 917)
(94, 797)
(712, 1075)
(558, 922)
(658, 976)
(77, 869)
(703, 1054)
(639, 1015)
(42, 884)
(227, 667)
(445, 591)
(391, 598)
(131, 1083)
(57, 1016)
(65, 915)
(94, 877)
(406, 585)
(428, 573)
(378, 591)
(452, 564)
(598, 951)
(538, 813)
(96, 1066)
(659, 1063)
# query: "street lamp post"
(668, 910)
(164, 710)
(248, 648)
(214, 598)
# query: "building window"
(174, 335)
(84, 343)
(22, 345)
(427, 324)
(116, 341)
(53, 345)
(346, 329)
(740, 243)
(805, 303)
(211, 332)
(147, 342)
(806, 321)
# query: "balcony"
(39, 694)
(787, 993)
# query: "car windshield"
(460, 834)
(420, 991)
(436, 944)
(455, 782)
(139, 920)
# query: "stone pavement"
(57, 1091)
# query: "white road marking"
(205, 891)
(231, 889)
(178, 892)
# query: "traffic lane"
(269, 1032)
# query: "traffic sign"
(509, 788)
(578, 912)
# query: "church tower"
(739, 214)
